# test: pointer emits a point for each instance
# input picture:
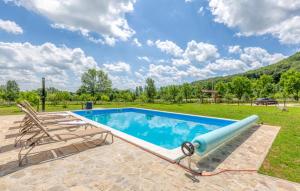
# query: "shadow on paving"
(7, 148)
(50, 155)
(210, 162)
(11, 147)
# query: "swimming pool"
(157, 131)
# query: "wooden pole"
(43, 96)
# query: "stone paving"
(122, 166)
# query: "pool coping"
(172, 155)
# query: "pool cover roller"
(210, 141)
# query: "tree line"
(96, 86)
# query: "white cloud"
(125, 82)
(140, 76)
(234, 49)
(199, 73)
(10, 27)
(227, 65)
(288, 31)
(180, 62)
(249, 58)
(279, 18)
(106, 18)
(61, 66)
(118, 67)
(165, 75)
(183, 69)
(257, 57)
(188, 1)
(169, 47)
(136, 42)
(150, 43)
(195, 51)
(27, 63)
(200, 52)
(201, 11)
(144, 58)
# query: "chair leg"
(112, 137)
(32, 146)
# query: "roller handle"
(187, 148)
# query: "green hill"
(274, 70)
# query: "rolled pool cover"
(210, 141)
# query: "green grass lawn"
(283, 159)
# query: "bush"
(86, 97)
(31, 96)
(104, 98)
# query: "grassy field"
(283, 160)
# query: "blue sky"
(170, 41)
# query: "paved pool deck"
(123, 166)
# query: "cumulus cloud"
(249, 58)
(144, 58)
(257, 57)
(201, 60)
(201, 51)
(165, 74)
(61, 66)
(27, 63)
(201, 11)
(136, 42)
(199, 73)
(195, 51)
(169, 47)
(106, 18)
(279, 18)
(150, 43)
(180, 62)
(10, 27)
(117, 67)
(227, 65)
(125, 82)
(234, 49)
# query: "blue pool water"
(167, 130)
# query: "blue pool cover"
(210, 141)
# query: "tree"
(198, 91)
(290, 83)
(95, 81)
(186, 90)
(221, 88)
(51, 90)
(172, 92)
(138, 91)
(264, 86)
(2, 92)
(12, 90)
(179, 97)
(228, 97)
(126, 96)
(150, 89)
(241, 86)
